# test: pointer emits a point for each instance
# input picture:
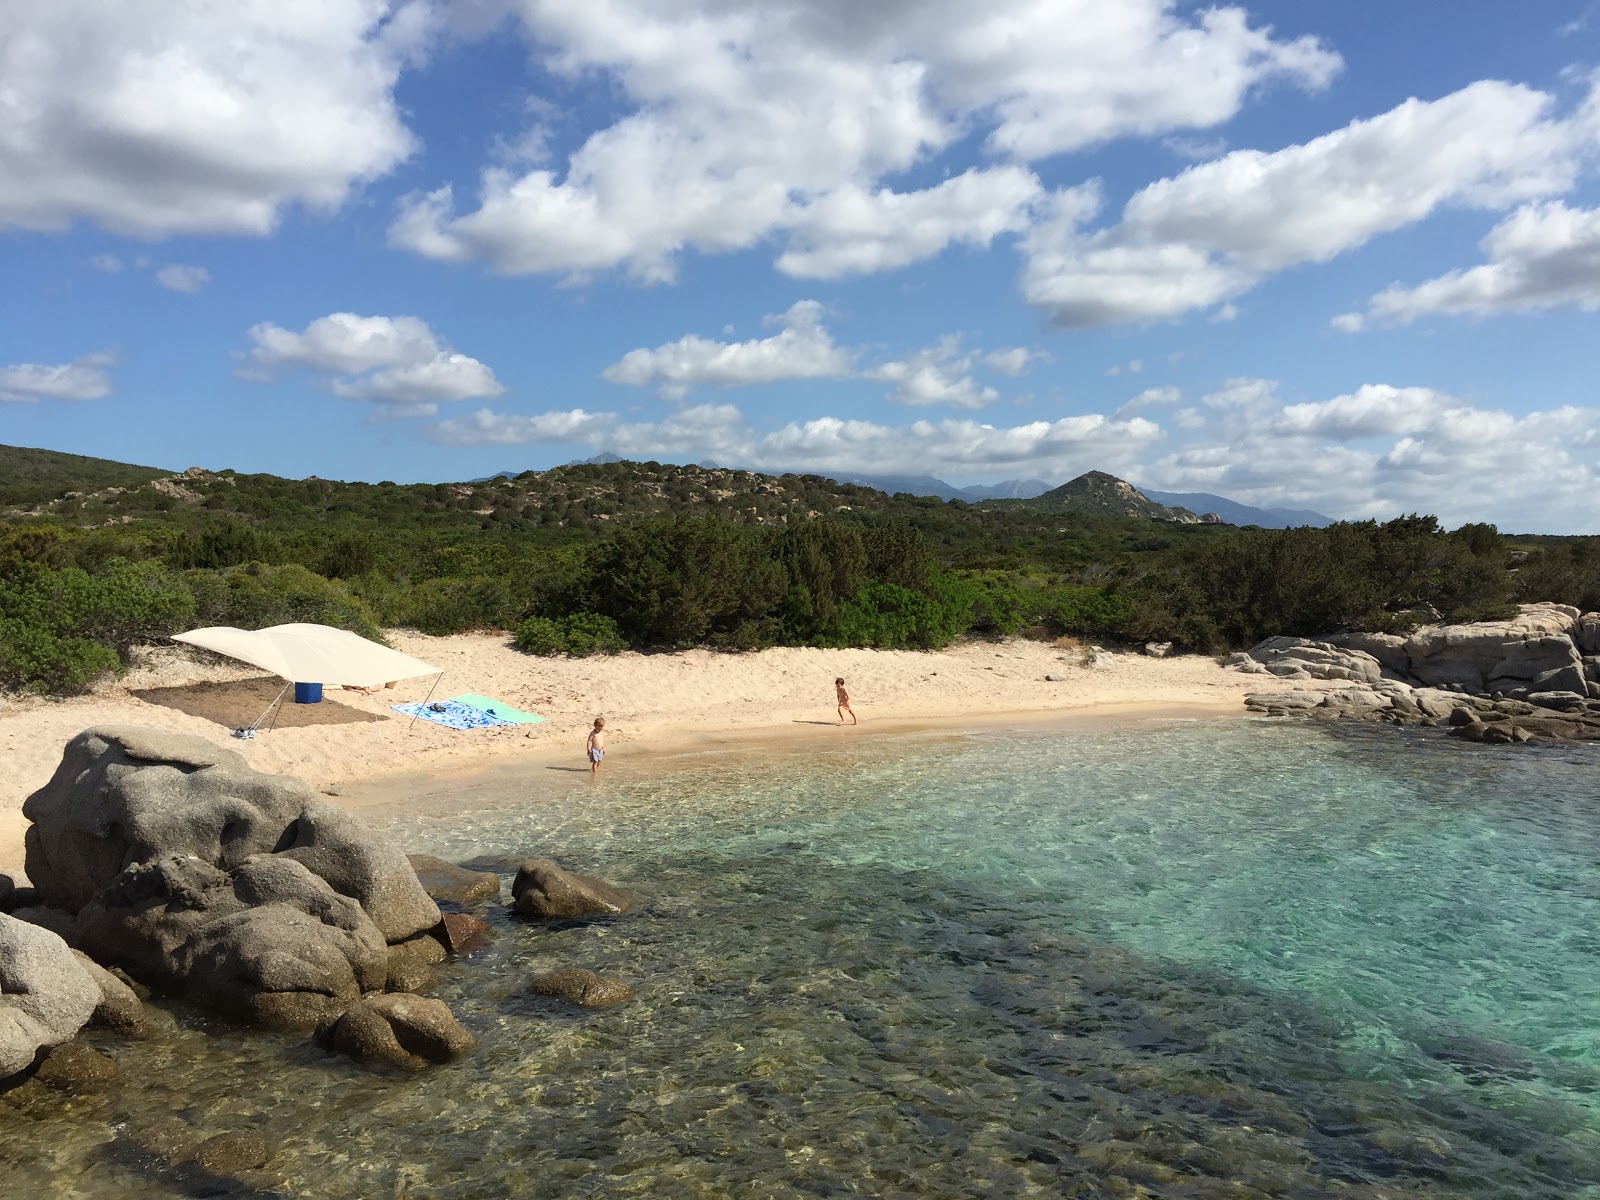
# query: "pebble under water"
(1220, 959)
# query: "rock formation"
(403, 1030)
(45, 995)
(1528, 678)
(544, 890)
(175, 859)
(582, 988)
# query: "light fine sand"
(651, 702)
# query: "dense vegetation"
(595, 558)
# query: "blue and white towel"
(451, 714)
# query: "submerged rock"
(544, 890)
(45, 995)
(74, 1067)
(231, 1153)
(460, 932)
(445, 881)
(411, 963)
(582, 988)
(401, 1029)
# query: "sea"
(1160, 959)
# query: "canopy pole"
(249, 731)
(425, 700)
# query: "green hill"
(30, 477)
(1098, 494)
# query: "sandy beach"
(653, 703)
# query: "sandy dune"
(650, 701)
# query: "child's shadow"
(800, 721)
(579, 770)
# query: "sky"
(1314, 254)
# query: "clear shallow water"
(1230, 959)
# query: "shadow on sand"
(240, 702)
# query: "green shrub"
(580, 635)
(59, 629)
(257, 595)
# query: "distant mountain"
(1103, 495)
(1011, 489)
(599, 460)
(930, 485)
(1235, 513)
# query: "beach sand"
(654, 704)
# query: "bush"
(59, 629)
(580, 635)
(257, 595)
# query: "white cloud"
(179, 278)
(830, 444)
(805, 349)
(747, 121)
(850, 231)
(84, 378)
(1015, 360)
(109, 263)
(397, 363)
(1202, 238)
(940, 374)
(153, 118)
(1543, 256)
(801, 349)
(1374, 410)
(1156, 397)
(1350, 322)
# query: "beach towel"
(450, 714)
(495, 708)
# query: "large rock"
(8, 889)
(585, 989)
(1587, 634)
(126, 795)
(1303, 658)
(267, 941)
(120, 1008)
(546, 891)
(45, 995)
(1532, 652)
(445, 881)
(404, 1030)
(1388, 648)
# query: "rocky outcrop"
(461, 932)
(45, 995)
(179, 862)
(1532, 652)
(403, 1030)
(546, 891)
(585, 989)
(1303, 658)
(455, 885)
(268, 942)
(1476, 718)
(129, 795)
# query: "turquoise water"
(1220, 959)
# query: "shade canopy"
(310, 653)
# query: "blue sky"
(1293, 254)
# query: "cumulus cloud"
(153, 118)
(398, 363)
(1541, 257)
(749, 121)
(1156, 397)
(179, 278)
(83, 378)
(828, 444)
(1383, 450)
(1202, 238)
(801, 349)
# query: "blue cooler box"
(308, 693)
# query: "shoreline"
(660, 706)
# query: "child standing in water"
(597, 745)
(844, 702)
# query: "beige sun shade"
(310, 653)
